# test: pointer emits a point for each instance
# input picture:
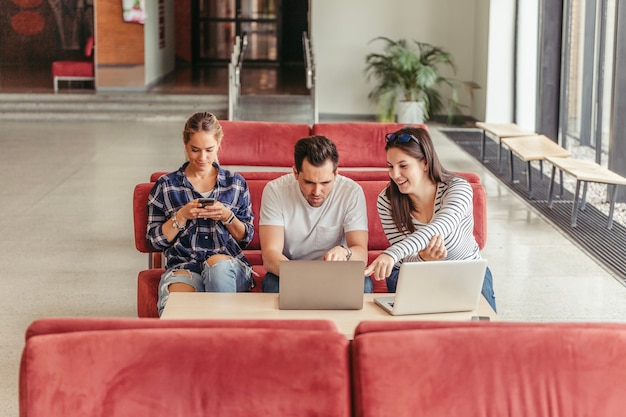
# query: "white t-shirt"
(311, 231)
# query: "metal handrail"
(234, 74)
(310, 73)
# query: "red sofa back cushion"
(490, 369)
(260, 143)
(479, 198)
(186, 372)
(372, 183)
(359, 144)
(140, 215)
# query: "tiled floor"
(67, 238)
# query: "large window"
(588, 45)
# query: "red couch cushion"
(56, 325)
(260, 143)
(186, 371)
(148, 292)
(490, 369)
(140, 215)
(359, 144)
(72, 69)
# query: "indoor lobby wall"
(119, 48)
(36, 33)
(342, 29)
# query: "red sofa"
(150, 367)
(270, 144)
(474, 369)
(372, 182)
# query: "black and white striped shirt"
(452, 218)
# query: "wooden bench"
(532, 148)
(497, 131)
(585, 172)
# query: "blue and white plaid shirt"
(201, 238)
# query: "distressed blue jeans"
(228, 275)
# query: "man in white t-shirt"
(313, 213)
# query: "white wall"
(527, 46)
(499, 89)
(481, 58)
(341, 30)
(158, 62)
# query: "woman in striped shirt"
(426, 211)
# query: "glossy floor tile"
(67, 238)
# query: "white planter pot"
(410, 112)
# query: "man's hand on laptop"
(338, 253)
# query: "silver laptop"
(321, 285)
(436, 287)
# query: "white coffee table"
(183, 305)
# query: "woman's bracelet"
(175, 221)
(230, 219)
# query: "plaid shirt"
(201, 238)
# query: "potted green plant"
(406, 75)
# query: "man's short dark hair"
(317, 150)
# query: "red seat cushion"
(70, 68)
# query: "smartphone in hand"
(204, 202)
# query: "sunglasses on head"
(401, 138)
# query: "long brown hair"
(421, 149)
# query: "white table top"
(184, 305)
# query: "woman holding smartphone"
(200, 216)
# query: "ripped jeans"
(228, 275)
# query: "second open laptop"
(436, 287)
(321, 285)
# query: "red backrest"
(57, 325)
(377, 240)
(479, 199)
(156, 175)
(89, 46)
(125, 370)
(359, 144)
(372, 183)
(491, 369)
(140, 215)
(260, 143)
(256, 192)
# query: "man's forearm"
(359, 253)
(271, 262)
